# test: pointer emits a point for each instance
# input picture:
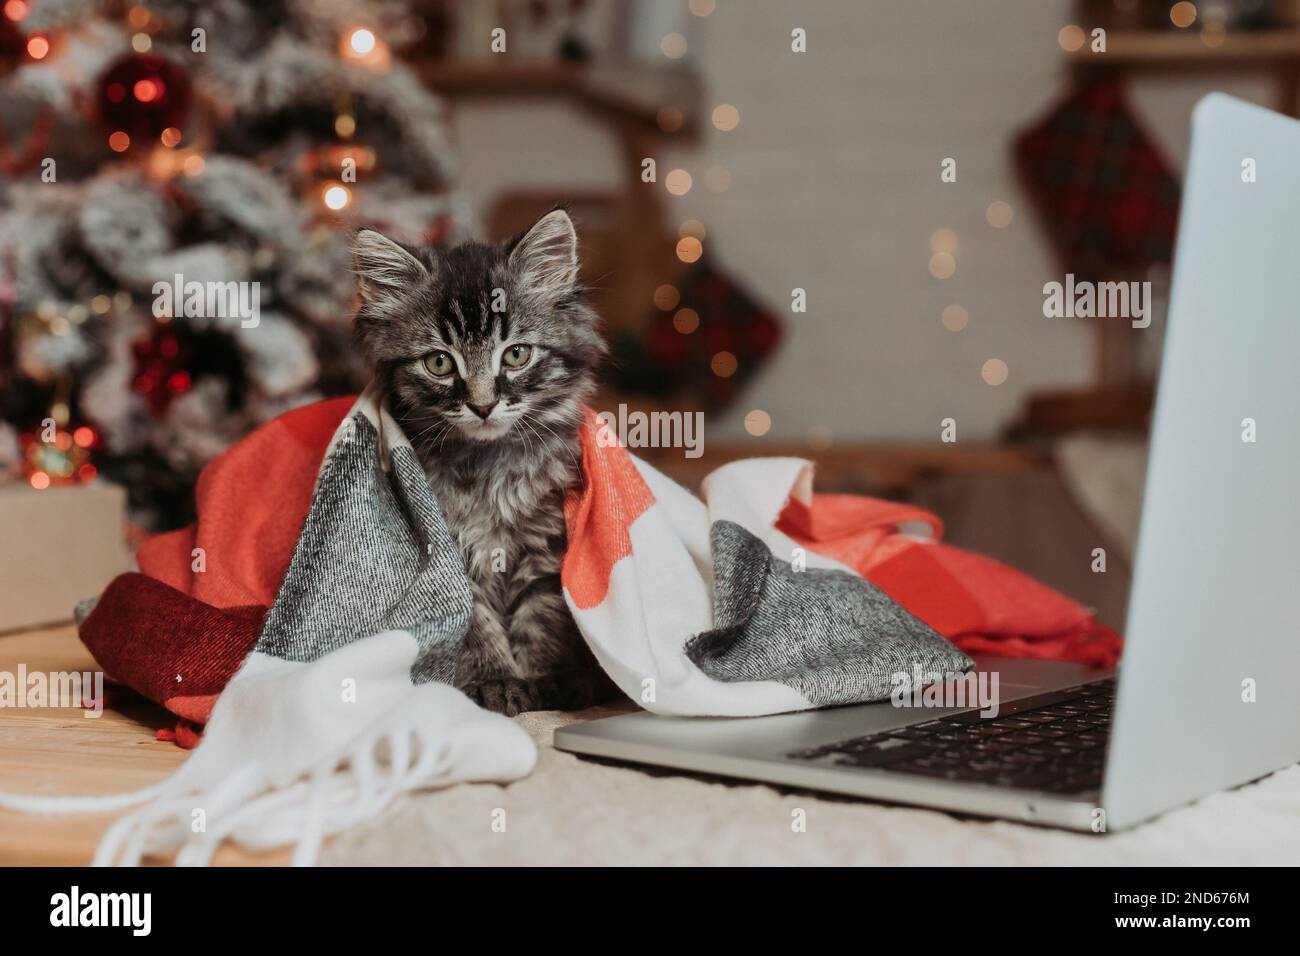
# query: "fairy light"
(141, 42)
(686, 321)
(16, 10)
(138, 17)
(666, 297)
(669, 119)
(758, 423)
(38, 47)
(678, 182)
(673, 46)
(999, 214)
(345, 124)
(692, 227)
(689, 249)
(955, 318)
(147, 90)
(336, 197)
(943, 240)
(39, 480)
(170, 137)
(723, 364)
(726, 117)
(1182, 14)
(361, 42)
(1071, 38)
(994, 371)
(119, 142)
(942, 265)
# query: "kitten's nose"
(482, 411)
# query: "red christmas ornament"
(141, 95)
(160, 368)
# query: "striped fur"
(499, 443)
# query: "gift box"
(58, 545)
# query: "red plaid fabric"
(1105, 193)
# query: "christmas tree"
(156, 154)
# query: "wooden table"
(60, 751)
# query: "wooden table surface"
(60, 751)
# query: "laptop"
(1205, 698)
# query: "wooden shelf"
(632, 90)
(1184, 49)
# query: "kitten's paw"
(510, 695)
(578, 689)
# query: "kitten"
(485, 354)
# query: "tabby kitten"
(485, 354)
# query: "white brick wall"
(836, 189)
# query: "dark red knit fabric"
(146, 635)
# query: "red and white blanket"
(309, 619)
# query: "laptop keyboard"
(1054, 742)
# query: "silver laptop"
(1206, 699)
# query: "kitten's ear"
(384, 268)
(546, 258)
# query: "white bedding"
(573, 810)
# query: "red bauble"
(142, 95)
(161, 371)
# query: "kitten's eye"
(439, 364)
(517, 356)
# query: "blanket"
(310, 619)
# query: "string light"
(361, 42)
(1182, 14)
(999, 214)
(147, 90)
(141, 43)
(723, 364)
(689, 249)
(678, 182)
(726, 117)
(673, 46)
(758, 423)
(336, 197)
(666, 297)
(345, 125)
(364, 47)
(686, 321)
(119, 142)
(955, 318)
(1071, 38)
(170, 137)
(994, 371)
(15, 10)
(943, 240)
(37, 47)
(669, 119)
(942, 265)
